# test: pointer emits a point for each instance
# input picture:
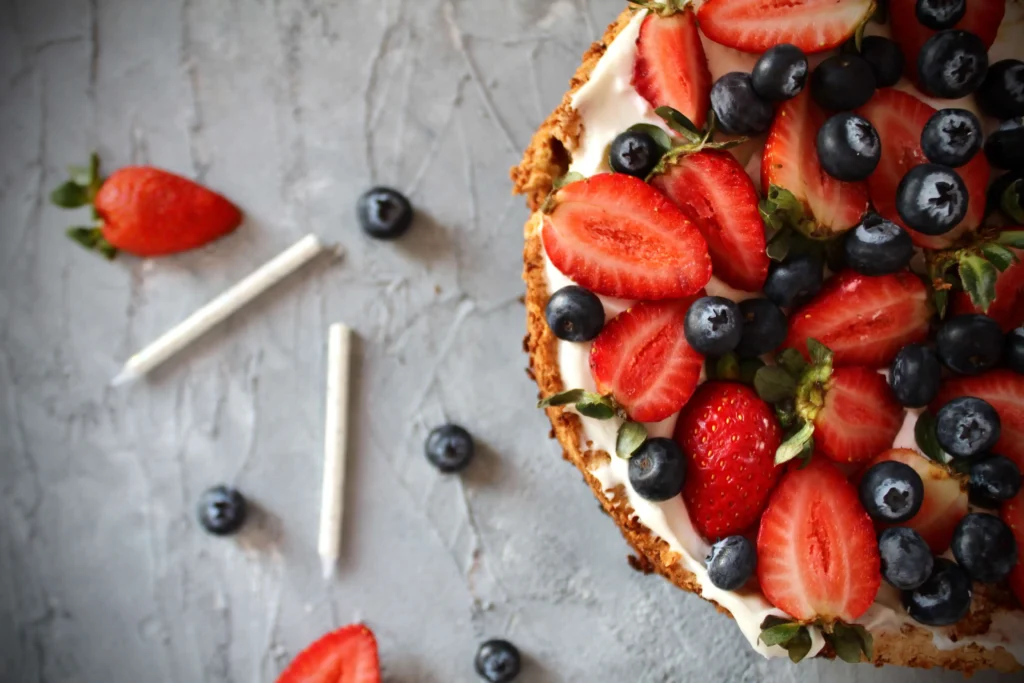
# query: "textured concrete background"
(292, 108)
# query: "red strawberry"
(348, 655)
(1013, 514)
(982, 18)
(616, 235)
(717, 195)
(671, 69)
(1008, 307)
(899, 119)
(864, 320)
(642, 358)
(1004, 389)
(756, 25)
(860, 417)
(945, 500)
(817, 557)
(730, 436)
(791, 161)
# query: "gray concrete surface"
(292, 108)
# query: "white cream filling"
(608, 104)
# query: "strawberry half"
(730, 436)
(757, 25)
(616, 235)
(1007, 308)
(860, 417)
(945, 499)
(982, 18)
(1013, 514)
(717, 195)
(348, 655)
(817, 557)
(643, 359)
(790, 161)
(1004, 390)
(899, 119)
(671, 68)
(864, 320)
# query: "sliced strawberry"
(730, 436)
(616, 235)
(817, 556)
(1013, 514)
(756, 25)
(864, 320)
(348, 655)
(642, 358)
(945, 499)
(899, 118)
(860, 418)
(671, 69)
(1004, 390)
(791, 161)
(717, 195)
(982, 18)
(1008, 307)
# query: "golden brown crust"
(546, 159)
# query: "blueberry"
(891, 492)
(794, 281)
(1004, 147)
(634, 153)
(1013, 354)
(997, 194)
(731, 562)
(952, 64)
(848, 147)
(885, 58)
(497, 661)
(843, 82)
(984, 546)
(967, 426)
(737, 107)
(222, 510)
(915, 376)
(1001, 96)
(449, 448)
(877, 246)
(713, 325)
(384, 213)
(764, 328)
(780, 73)
(951, 137)
(657, 470)
(944, 599)
(940, 14)
(932, 199)
(970, 344)
(574, 314)
(994, 479)
(907, 561)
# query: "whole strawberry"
(730, 437)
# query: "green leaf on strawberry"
(979, 279)
(927, 440)
(774, 384)
(998, 255)
(562, 399)
(597, 407)
(792, 361)
(678, 122)
(798, 445)
(657, 133)
(1012, 238)
(1010, 204)
(782, 210)
(789, 635)
(631, 436)
(850, 642)
(92, 239)
(70, 195)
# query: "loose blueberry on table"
(497, 661)
(222, 510)
(384, 213)
(449, 448)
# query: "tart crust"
(547, 158)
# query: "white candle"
(339, 339)
(200, 322)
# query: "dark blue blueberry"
(764, 328)
(634, 153)
(907, 561)
(885, 58)
(915, 376)
(780, 73)
(891, 492)
(449, 448)
(848, 147)
(967, 426)
(939, 15)
(877, 246)
(1013, 354)
(1004, 147)
(713, 325)
(737, 107)
(994, 479)
(970, 344)
(932, 199)
(497, 661)
(731, 562)
(843, 82)
(1001, 96)
(951, 137)
(942, 600)
(222, 510)
(984, 546)
(384, 213)
(952, 64)
(574, 314)
(795, 281)
(657, 470)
